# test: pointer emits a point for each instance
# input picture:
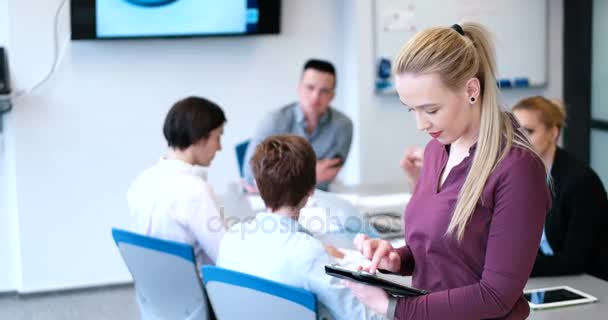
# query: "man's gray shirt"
(331, 138)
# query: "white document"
(385, 200)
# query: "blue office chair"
(241, 149)
(167, 283)
(236, 295)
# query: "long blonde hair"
(458, 58)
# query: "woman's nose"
(421, 122)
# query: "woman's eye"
(432, 111)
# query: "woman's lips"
(435, 134)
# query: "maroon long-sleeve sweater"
(481, 277)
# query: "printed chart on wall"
(519, 28)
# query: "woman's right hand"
(380, 252)
(411, 163)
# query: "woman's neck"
(549, 156)
(471, 134)
(290, 212)
(182, 155)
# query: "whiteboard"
(519, 28)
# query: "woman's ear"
(555, 133)
(473, 90)
(202, 141)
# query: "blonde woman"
(475, 218)
(574, 238)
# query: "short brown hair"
(284, 167)
(551, 113)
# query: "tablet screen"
(552, 295)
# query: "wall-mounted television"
(115, 19)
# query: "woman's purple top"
(483, 276)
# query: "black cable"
(5, 100)
(7, 109)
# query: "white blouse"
(173, 201)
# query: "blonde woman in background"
(476, 215)
(574, 239)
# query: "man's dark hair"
(284, 167)
(190, 120)
(321, 65)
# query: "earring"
(472, 99)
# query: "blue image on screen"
(142, 18)
(150, 3)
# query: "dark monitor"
(5, 87)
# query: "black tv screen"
(113, 19)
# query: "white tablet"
(556, 297)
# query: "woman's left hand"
(374, 298)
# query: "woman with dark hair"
(574, 238)
(172, 200)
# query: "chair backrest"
(167, 283)
(236, 295)
(241, 149)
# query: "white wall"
(9, 250)
(83, 137)
(555, 85)
(10, 268)
(76, 144)
(3, 22)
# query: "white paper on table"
(385, 200)
(350, 197)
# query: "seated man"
(274, 245)
(328, 130)
(172, 200)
